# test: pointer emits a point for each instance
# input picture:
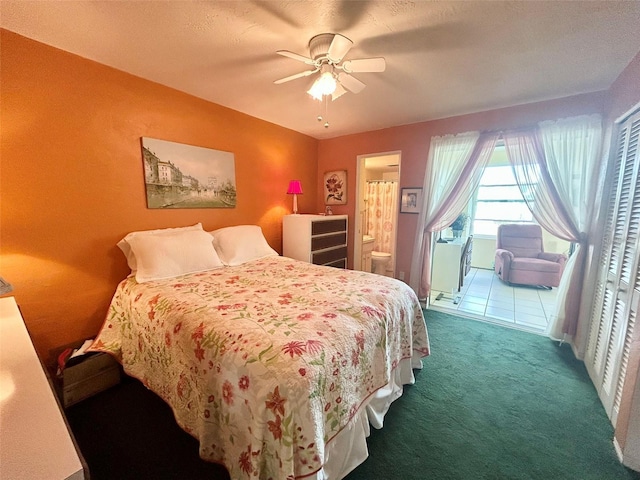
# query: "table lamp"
(295, 189)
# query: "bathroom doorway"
(376, 219)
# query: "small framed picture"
(411, 200)
(335, 187)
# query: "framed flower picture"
(335, 187)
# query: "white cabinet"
(451, 263)
(316, 239)
(445, 275)
(36, 443)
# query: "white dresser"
(36, 443)
(316, 239)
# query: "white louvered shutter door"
(630, 277)
(615, 303)
(602, 305)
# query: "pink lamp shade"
(295, 189)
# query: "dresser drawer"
(342, 263)
(329, 256)
(329, 226)
(328, 241)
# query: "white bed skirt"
(349, 448)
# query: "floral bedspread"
(266, 362)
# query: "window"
(498, 201)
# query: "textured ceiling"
(443, 58)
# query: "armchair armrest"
(503, 263)
(506, 255)
(560, 258)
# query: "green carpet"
(494, 403)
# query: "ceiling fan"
(326, 54)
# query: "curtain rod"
(522, 128)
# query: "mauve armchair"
(521, 259)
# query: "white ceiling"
(443, 58)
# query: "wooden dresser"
(316, 239)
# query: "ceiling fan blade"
(365, 65)
(295, 56)
(339, 47)
(339, 91)
(306, 73)
(350, 83)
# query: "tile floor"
(485, 297)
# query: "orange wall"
(72, 179)
(413, 141)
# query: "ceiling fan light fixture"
(327, 52)
(325, 84)
(339, 91)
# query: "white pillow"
(126, 248)
(166, 256)
(240, 244)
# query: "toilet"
(379, 261)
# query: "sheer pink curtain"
(445, 195)
(555, 166)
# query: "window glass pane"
(509, 212)
(488, 227)
(500, 201)
(498, 176)
(485, 227)
(511, 192)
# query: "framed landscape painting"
(184, 176)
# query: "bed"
(276, 366)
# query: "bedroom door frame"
(361, 188)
